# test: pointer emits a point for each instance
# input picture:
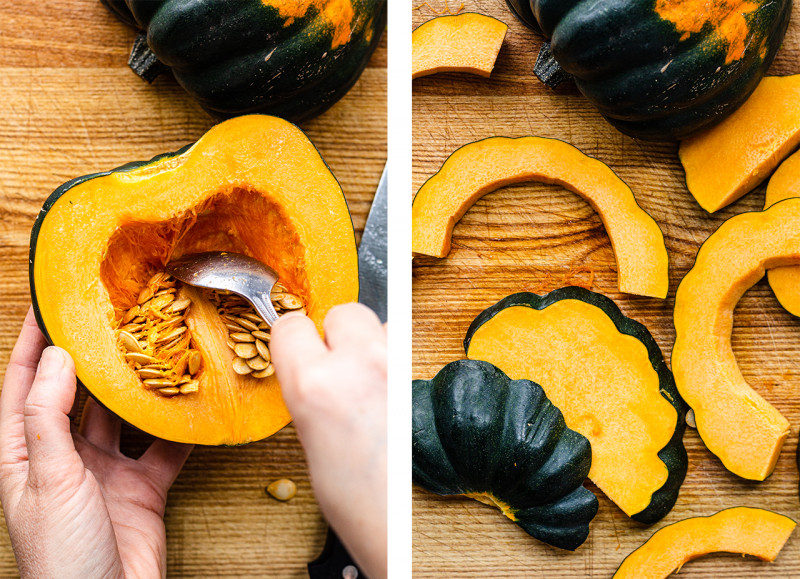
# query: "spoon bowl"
(223, 270)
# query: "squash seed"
(170, 391)
(246, 350)
(149, 373)
(258, 363)
(194, 362)
(130, 343)
(179, 305)
(255, 318)
(242, 337)
(138, 358)
(145, 295)
(291, 302)
(171, 335)
(240, 366)
(234, 327)
(690, 421)
(130, 314)
(261, 373)
(247, 324)
(189, 387)
(158, 382)
(282, 489)
(263, 350)
(260, 335)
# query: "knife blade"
(334, 561)
(372, 253)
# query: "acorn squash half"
(254, 185)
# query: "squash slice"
(606, 374)
(253, 185)
(485, 166)
(467, 42)
(742, 530)
(745, 431)
(732, 158)
(785, 281)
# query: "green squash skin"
(237, 57)
(477, 431)
(673, 454)
(642, 77)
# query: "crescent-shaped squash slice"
(745, 431)
(605, 372)
(466, 42)
(744, 530)
(733, 157)
(785, 281)
(254, 185)
(485, 166)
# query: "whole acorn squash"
(658, 69)
(502, 442)
(289, 58)
(253, 185)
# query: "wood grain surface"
(539, 237)
(71, 106)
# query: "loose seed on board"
(240, 366)
(246, 350)
(282, 489)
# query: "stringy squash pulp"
(253, 185)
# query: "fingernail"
(52, 360)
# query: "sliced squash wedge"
(485, 166)
(733, 157)
(606, 374)
(745, 431)
(744, 530)
(467, 42)
(785, 281)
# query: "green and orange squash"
(254, 185)
(479, 434)
(289, 58)
(605, 372)
(658, 69)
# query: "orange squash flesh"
(485, 166)
(785, 281)
(254, 184)
(735, 422)
(602, 381)
(466, 42)
(744, 530)
(733, 157)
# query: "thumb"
(47, 424)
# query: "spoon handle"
(263, 305)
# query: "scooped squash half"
(742, 530)
(254, 185)
(467, 42)
(733, 157)
(745, 431)
(605, 372)
(485, 166)
(785, 281)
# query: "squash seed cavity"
(157, 343)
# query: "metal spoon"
(237, 273)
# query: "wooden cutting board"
(538, 237)
(71, 106)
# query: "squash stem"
(143, 61)
(547, 69)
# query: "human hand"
(336, 391)
(75, 506)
